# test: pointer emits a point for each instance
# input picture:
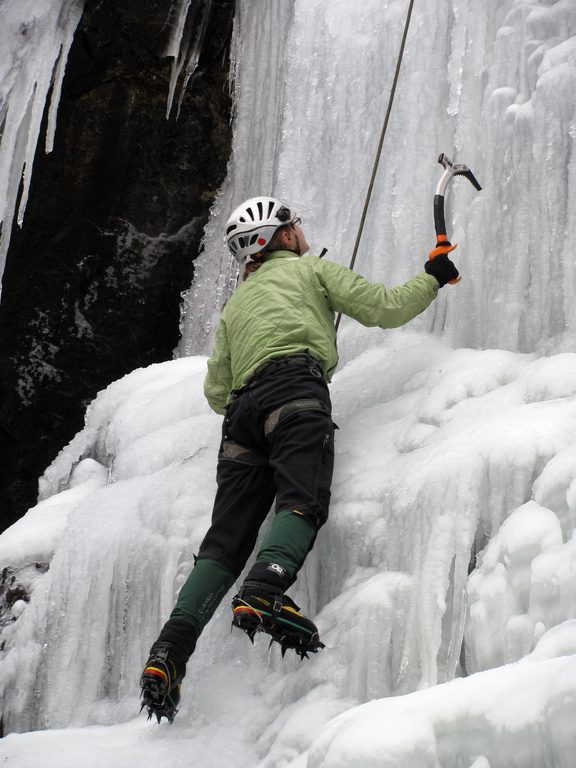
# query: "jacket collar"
(279, 255)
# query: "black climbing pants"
(277, 442)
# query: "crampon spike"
(158, 702)
(159, 708)
(282, 629)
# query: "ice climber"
(274, 355)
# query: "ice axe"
(443, 245)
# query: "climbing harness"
(381, 142)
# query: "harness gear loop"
(380, 143)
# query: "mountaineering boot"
(160, 681)
(279, 617)
(166, 667)
(261, 606)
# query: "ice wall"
(35, 39)
(492, 86)
(95, 611)
(260, 35)
(436, 457)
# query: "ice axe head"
(450, 170)
(454, 169)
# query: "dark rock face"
(114, 220)
(16, 586)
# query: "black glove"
(442, 269)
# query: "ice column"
(259, 80)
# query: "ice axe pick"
(443, 245)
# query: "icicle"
(174, 44)
(194, 52)
(36, 46)
(72, 19)
(185, 44)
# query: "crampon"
(160, 684)
(278, 617)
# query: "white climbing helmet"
(251, 226)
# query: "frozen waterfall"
(456, 434)
(492, 87)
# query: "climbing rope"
(381, 142)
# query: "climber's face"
(298, 239)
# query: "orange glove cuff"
(441, 249)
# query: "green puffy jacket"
(288, 306)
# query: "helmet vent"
(251, 225)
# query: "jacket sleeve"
(372, 303)
(218, 381)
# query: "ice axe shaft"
(443, 244)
